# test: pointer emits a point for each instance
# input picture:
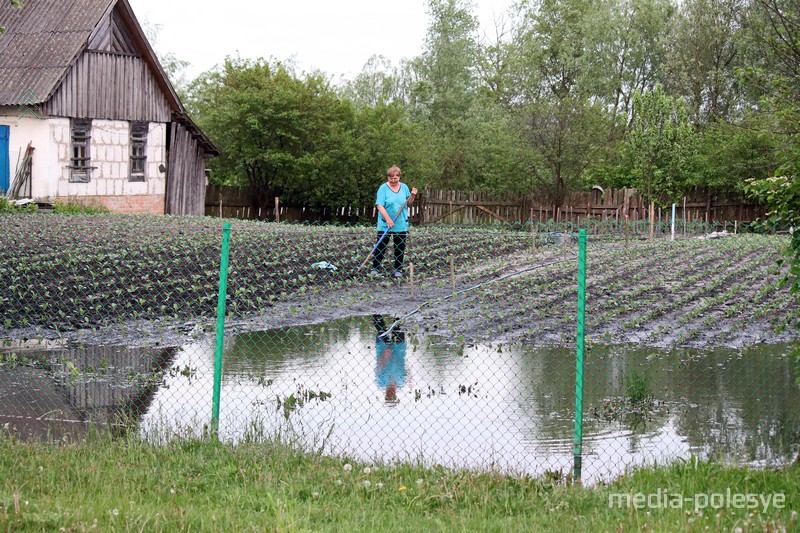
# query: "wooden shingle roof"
(44, 38)
(41, 41)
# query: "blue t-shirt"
(393, 202)
(391, 363)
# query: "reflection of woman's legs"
(380, 325)
(399, 250)
(380, 250)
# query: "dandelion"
(367, 470)
(348, 467)
(115, 512)
(339, 482)
(420, 482)
(315, 495)
(379, 485)
(367, 483)
(41, 469)
(401, 489)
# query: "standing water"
(342, 387)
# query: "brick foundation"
(135, 204)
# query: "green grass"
(73, 207)
(122, 485)
(69, 207)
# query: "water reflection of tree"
(720, 404)
(741, 407)
(253, 352)
(747, 408)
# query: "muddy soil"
(704, 298)
(141, 281)
(706, 295)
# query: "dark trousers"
(399, 242)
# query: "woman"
(392, 200)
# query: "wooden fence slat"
(463, 207)
(495, 215)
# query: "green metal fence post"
(578, 441)
(221, 299)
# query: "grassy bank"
(118, 485)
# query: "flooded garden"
(471, 364)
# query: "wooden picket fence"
(437, 206)
(458, 207)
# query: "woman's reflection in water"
(390, 367)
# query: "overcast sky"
(335, 37)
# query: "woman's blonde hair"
(392, 170)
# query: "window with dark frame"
(80, 158)
(138, 144)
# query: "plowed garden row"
(65, 275)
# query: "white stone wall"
(110, 160)
(25, 129)
(110, 155)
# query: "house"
(84, 96)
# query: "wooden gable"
(117, 76)
(113, 35)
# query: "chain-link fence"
(467, 358)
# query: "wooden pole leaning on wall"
(652, 219)
(277, 209)
(684, 216)
(411, 279)
(627, 229)
(452, 273)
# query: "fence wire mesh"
(466, 359)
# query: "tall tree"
(628, 37)
(701, 64)
(444, 89)
(279, 133)
(728, 154)
(562, 124)
(378, 83)
(494, 63)
(781, 74)
(660, 144)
